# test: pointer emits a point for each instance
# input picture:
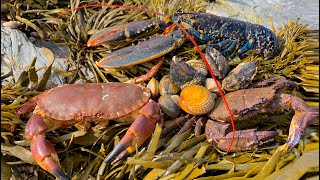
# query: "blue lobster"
(234, 37)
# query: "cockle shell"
(200, 66)
(196, 100)
(169, 105)
(153, 85)
(167, 86)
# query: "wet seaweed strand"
(187, 34)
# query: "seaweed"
(167, 155)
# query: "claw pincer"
(67, 105)
(125, 31)
(144, 51)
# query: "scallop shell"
(196, 100)
(169, 105)
(200, 66)
(167, 86)
(153, 85)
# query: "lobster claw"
(144, 51)
(125, 31)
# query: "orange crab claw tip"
(57, 172)
(117, 150)
(90, 44)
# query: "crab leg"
(140, 130)
(42, 150)
(144, 51)
(302, 117)
(147, 76)
(28, 106)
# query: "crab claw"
(144, 51)
(42, 150)
(140, 130)
(300, 122)
(125, 31)
(244, 139)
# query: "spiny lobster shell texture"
(97, 101)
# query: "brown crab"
(71, 104)
(80, 104)
(247, 103)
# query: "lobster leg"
(246, 47)
(143, 51)
(220, 44)
(230, 48)
(140, 130)
(42, 150)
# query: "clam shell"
(240, 77)
(167, 86)
(211, 85)
(196, 100)
(200, 66)
(153, 85)
(169, 105)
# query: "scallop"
(169, 105)
(153, 85)
(196, 100)
(167, 86)
(200, 66)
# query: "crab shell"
(92, 101)
(243, 103)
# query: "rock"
(17, 52)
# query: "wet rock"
(17, 53)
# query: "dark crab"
(247, 103)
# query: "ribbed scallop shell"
(196, 100)
(167, 86)
(169, 105)
(200, 66)
(153, 85)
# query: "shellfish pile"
(189, 88)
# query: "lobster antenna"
(104, 5)
(186, 33)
